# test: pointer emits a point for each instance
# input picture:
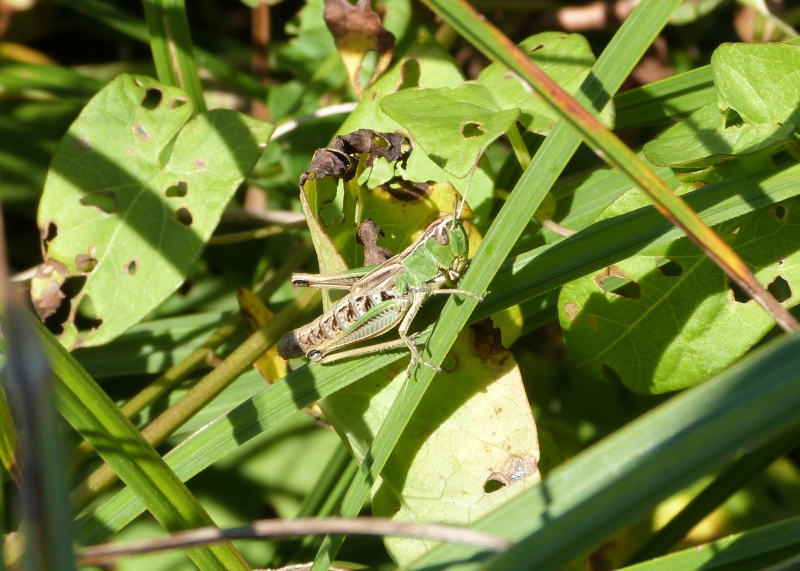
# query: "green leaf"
(566, 58)
(470, 446)
(615, 482)
(453, 125)
(650, 320)
(758, 97)
(702, 140)
(424, 65)
(760, 82)
(135, 189)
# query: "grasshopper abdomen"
(354, 318)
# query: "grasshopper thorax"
(450, 233)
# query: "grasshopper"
(389, 295)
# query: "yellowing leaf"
(470, 446)
(357, 30)
(270, 365)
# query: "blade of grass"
(608, 241)
(715, 494)
(203, 392)
(758, 549)
(28, 384)
(171, 44)
(495, 45)
(275, 403)
(134, 28)
(95, 417)
(616, 481)
(609, 72)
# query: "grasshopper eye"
(442, 236)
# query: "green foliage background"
(654, 382)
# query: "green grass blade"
(266, 409)
(775, 545)
(614, 239)
(132, 27)
(715, 494)
(28, 383)
(172, 49)
(615, 482)
(95, 417)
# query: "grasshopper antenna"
(459, 204)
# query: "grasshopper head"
(451, 233)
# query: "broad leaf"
(651, 320)
(454, 126)
(471, 445)
(758, 97)
(136, 187)
(425, 65)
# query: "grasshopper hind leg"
(416, 357)
(402, 330)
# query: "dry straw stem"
(270, 528)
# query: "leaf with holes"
(757, 109)
(424, 65)
(655, 321)
(358, 178)
(565, 58)
(471, 445)
(455, 125)
(135, 189)
(452, 125)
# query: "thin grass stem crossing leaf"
(135, 189)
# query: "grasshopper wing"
(343, 280)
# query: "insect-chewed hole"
(131, 268)
(471, 130)
(733, 119)
(177, 190)
(56, 317)
(410, 74)
(493, 484)
(780, 289)
(49, 233)
(152, 98)
(85, 263)
(669, 268)
(104, 200)
(780, 211)
(621, 286)
(86, 317)
(183, 216)
(177, 103)
(738, 293)
(380, 141)
(610, 374)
